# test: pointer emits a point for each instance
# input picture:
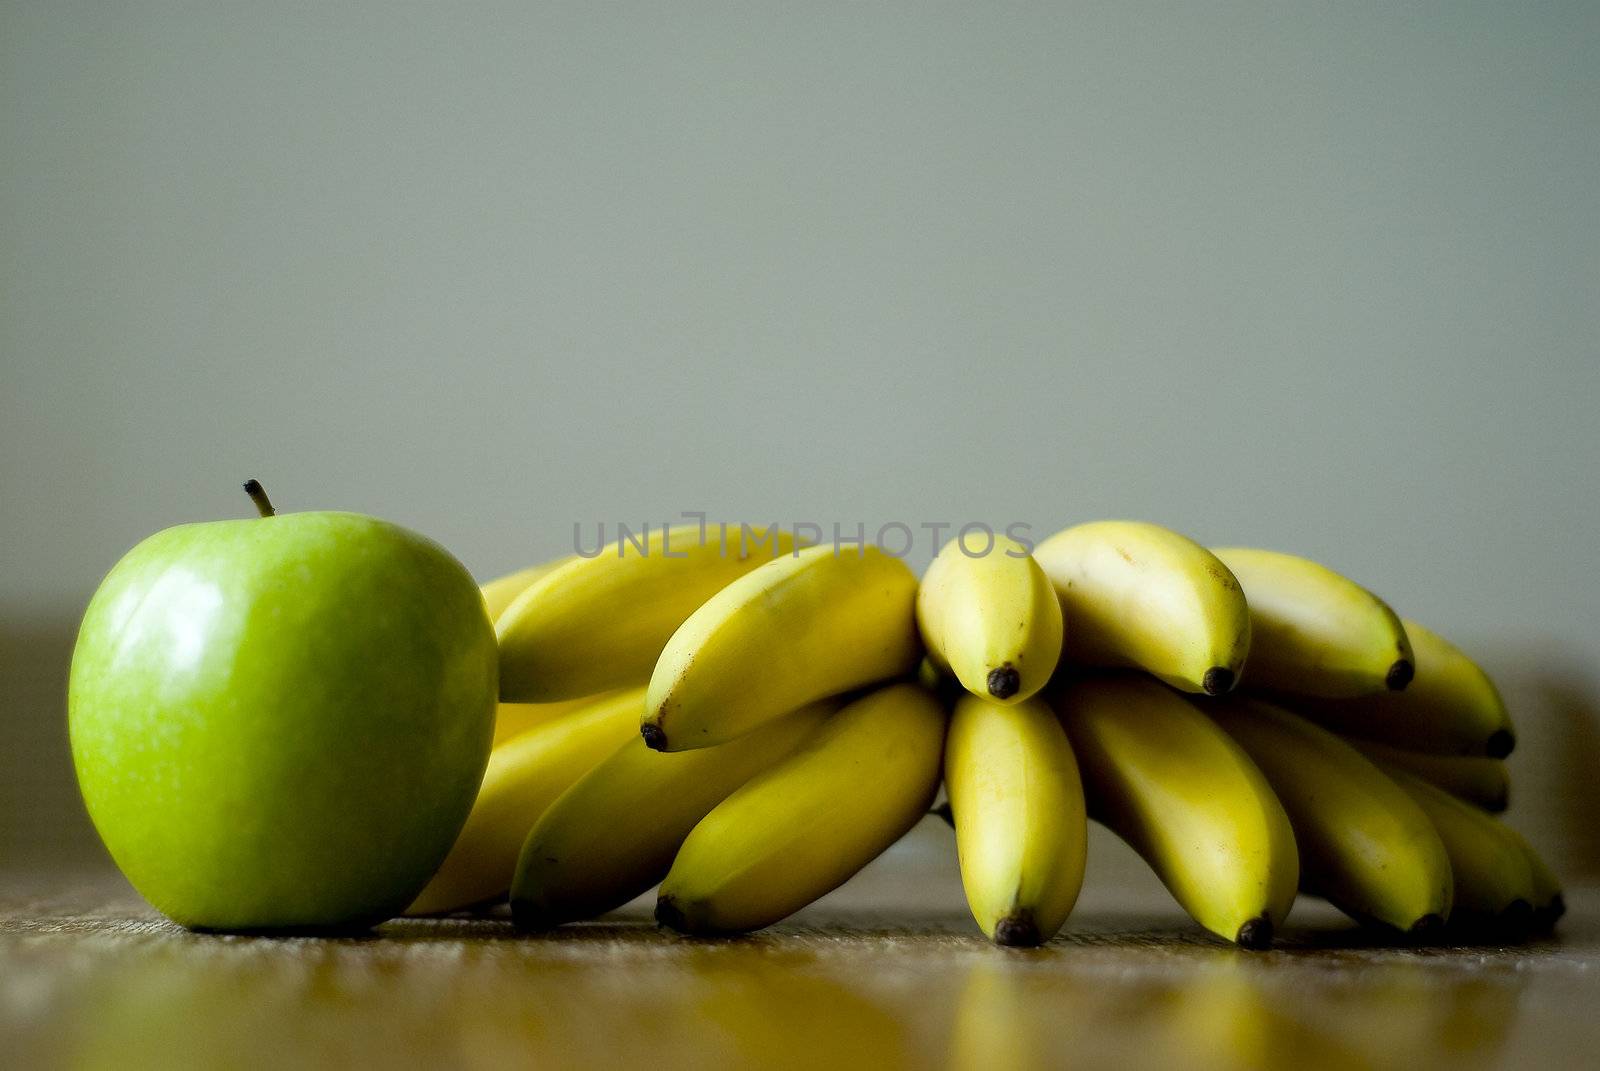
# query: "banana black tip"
(1256, 935)
(1400, 675)
(1004, 682)
(1499, 744)
(1017, 931)
(669, 915)
(1426, 928)
(1517, 920)
(525, 917)
(1217, 681)
(654, 738)
(1545, 918)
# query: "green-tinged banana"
(1136, 594)
(1494, 888)
(599, 623)
(1170, 782)
(1548, 903)
(1474, 778)
(992, 621)
(612, 835)
(1451, 708)
(525, 776)
(1313, 632)
(514, 719)
(1017, 805)
(1364, 844)
(814, 624)
(502, 591)
(801, 828)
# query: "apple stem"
(258, 495)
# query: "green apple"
(281, 723)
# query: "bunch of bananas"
(747, 731)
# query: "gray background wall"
(1320, 277)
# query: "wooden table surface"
(886, 973)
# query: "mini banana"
(814, 624)
(1364, 844)
(612, 835)
(1451, 708)
(993, 621)
(1017, 805)
(1313, 632)
(1548, 903)
(801, 828)
(1475, 779)
(514, 719)
(1137, 594)
(594, 624)
(525, 776)
(1170, 782)
(1494, 888)
(501, 592)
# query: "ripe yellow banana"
(1364, 844)
(502, 591)
(1017, 805)
(801, 828)
(1548, 903)
(1494, 887)
(594, 624)
(514, 719)
(612, 835)
(1170, 782)
(1475, 779)
(1451, 708)
(525, 776)
(1137, 594)
(814, 624)
(1313, 632)
(994, 621)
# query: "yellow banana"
(514, 719)
(1494, 887)
(1475, 779)
(1364, 844)
(993, 621)
(1548, 903)
(1137, 594)
(1313, 632)
(503, 591)
(1017, 805)
(801, 828)
(613, 834)
(814, 624)
(524, 777)
(594, 624)
(1451, 708)
(1171, 783)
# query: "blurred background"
(1324, 278)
